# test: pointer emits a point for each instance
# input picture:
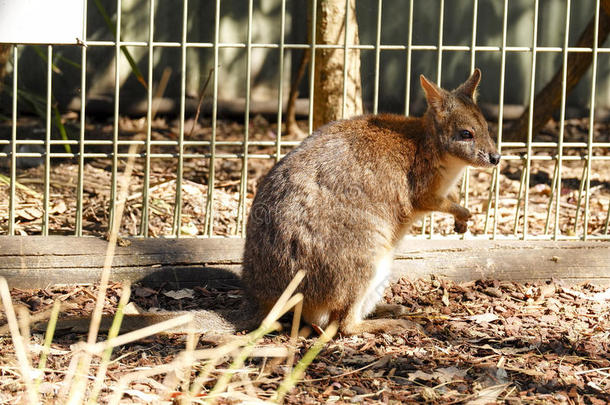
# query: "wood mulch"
(481, 341)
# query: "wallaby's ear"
(434, 95)
(469, 87)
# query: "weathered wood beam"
(36, 261)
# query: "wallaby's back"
(328, 207)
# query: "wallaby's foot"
(389, 310)
(378, 326)
(460, 226)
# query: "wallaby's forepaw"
(461, 220)
(460, 226)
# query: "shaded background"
(458, 22)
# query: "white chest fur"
(451, 171)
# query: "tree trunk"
(328, 88)
(5, 55)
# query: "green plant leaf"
(112, 27)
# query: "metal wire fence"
(561, 213)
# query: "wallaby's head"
(459, 123)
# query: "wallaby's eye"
(466, 134)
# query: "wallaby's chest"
(450, 172)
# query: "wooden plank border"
(37, 262)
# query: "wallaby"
(337, 205)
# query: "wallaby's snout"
(494, 158)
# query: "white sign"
(41, 21)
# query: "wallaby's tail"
(217, 322)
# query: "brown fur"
(339, 203)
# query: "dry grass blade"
(187, 360)
(112, 333)
(139, 334)
(283, 305)
(488, 395)
(18, 343)
(301, 366)
(123, 383)
(48, 338)
(78, 387)
(214, 356)
(278, 308)
(112, 239)
(239, 361)
(201, 97)
(294, 334)
(25, 189)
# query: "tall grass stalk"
(112, 333)
(48, 338)
(301, 366)
(18, 343)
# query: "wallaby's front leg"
(444, 204)
(459, 225)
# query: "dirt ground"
(97, 183)
(483, 342)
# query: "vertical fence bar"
(549, 206)
(439, 56)
(439, 69)
(180, 170)
(607, 220)
(241, 210)
(312, 61)
(519, 198)
(591, 122)
(377, 55)
(209, 212)
(562, 117)
(115, 127)
(530, 134)
(47, 143)
(500, 116)
(408, 62)
(581, 190)
(345, 58)
(473, 44)
(83, 122)
(149, 117)
(280, 96)
(12, 200)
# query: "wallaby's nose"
(494, 158)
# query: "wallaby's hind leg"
(351, 318)
(351, 326)
(351, 322)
